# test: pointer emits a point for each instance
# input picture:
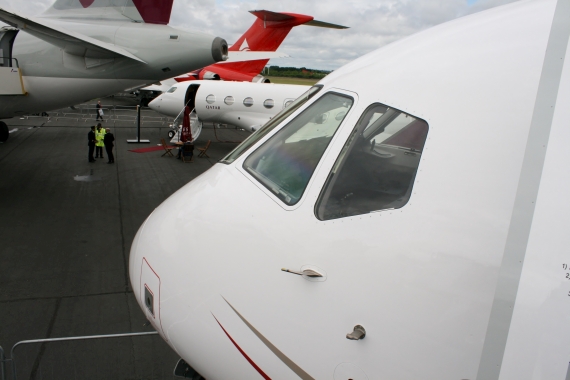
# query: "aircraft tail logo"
(86, 3)
(148, 11)
(244, 46)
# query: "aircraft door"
(190, 98)
(7, 38)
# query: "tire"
(171, 134)
(4, 133)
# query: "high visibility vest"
(99, 136)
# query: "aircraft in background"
(421, 232)
(83, 49)
(254, 49)
(245, 105)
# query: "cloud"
(373, 24)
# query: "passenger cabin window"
(229, 100)
(211, 99)
(285, 163)
(269, 103)
(377, 166)
(171, 90)
(248, 102)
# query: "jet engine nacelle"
(208, 75)
(260, 79)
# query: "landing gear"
(4, 133)
(182, 369)
(171, 134)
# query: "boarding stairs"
(11, 78)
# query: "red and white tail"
(266, 34)
(148, 11)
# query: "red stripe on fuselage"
(243, 353)
(154, 11)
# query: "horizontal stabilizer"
(247, 55)
(323, 24)
(301, 19)
(72, 42)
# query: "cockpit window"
(376, 168)
(270, 125)
(171, 90)
(285, 163)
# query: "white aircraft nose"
(145, 279)
(155, 104)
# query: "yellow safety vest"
(99, 136)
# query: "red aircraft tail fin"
(148, 11)
(266, 34)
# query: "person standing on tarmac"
(99, 136)
(99, 111)
(91, 143)
(108, 140)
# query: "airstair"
(11, 80)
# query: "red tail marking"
(86, 3)
(153, 11)
(267, 33)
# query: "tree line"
(295, 72)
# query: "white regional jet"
(245, 105)
(424, 235)
(82, 49)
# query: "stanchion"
(138, 140)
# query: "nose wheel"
(184, 370)
(171, 134)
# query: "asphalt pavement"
(66, 227)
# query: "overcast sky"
(373, 23)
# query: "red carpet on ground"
(149, 149)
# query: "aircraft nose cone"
(155, 104)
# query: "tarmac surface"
(65, 242)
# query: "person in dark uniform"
(108, 140)
(91, 143)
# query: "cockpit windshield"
(285, 163)
(377, 166)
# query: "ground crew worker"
(99, 136)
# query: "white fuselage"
(54, 77)
(467, 280)
(252, 106)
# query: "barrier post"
(138, 140)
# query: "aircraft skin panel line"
(525, 200)
(259, 370)
(294, 367)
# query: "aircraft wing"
(72, 42)
(242, 56)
